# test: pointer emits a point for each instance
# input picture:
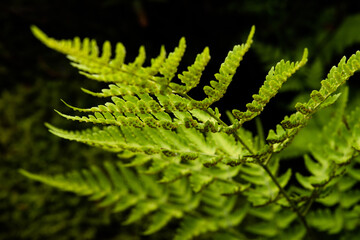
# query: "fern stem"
(260, 131)
(282, 190)
(309, 202)
(237, 137)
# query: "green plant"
(25, 143)
(180, 162)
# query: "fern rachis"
(180, 160)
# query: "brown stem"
(293, 206)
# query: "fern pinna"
(179, 160)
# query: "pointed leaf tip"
(251, 34)
(34, 28)
(37, 32)
(305, 55)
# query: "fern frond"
(335, 152)
(263, 190)
(194, 226)
(180, 160)
(331, 168)
(272, 222)
(85, 54)
(133, 77)
(276, 77)
(318, 100)
(120, 188)
(131, 82)
(188, 144)
(191, 77)
(325, 220)
(173, 154)
(227, 70)
(85, 57)
(169, 68)
(219, 214)
(144, 110)
(340, 196)
(113, 90)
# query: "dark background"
(34, 78)
(287, 25)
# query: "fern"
(180, 161)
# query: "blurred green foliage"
(29, 210)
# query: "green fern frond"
(170, 66)
(120, 188)
(85, 54)
(325, 220)
(134, 79)
(186, 143)
(276, 77)
(341, 197)
(85, 57)
(318, 100)
(180, 160)
(272, 222)
(333, 156)
(227, 70)
(191, 77)
(332, 169)
(117, 186)
(179, 150)
(192, 226)
(145, 111)
(263, 190)
(220, 214)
